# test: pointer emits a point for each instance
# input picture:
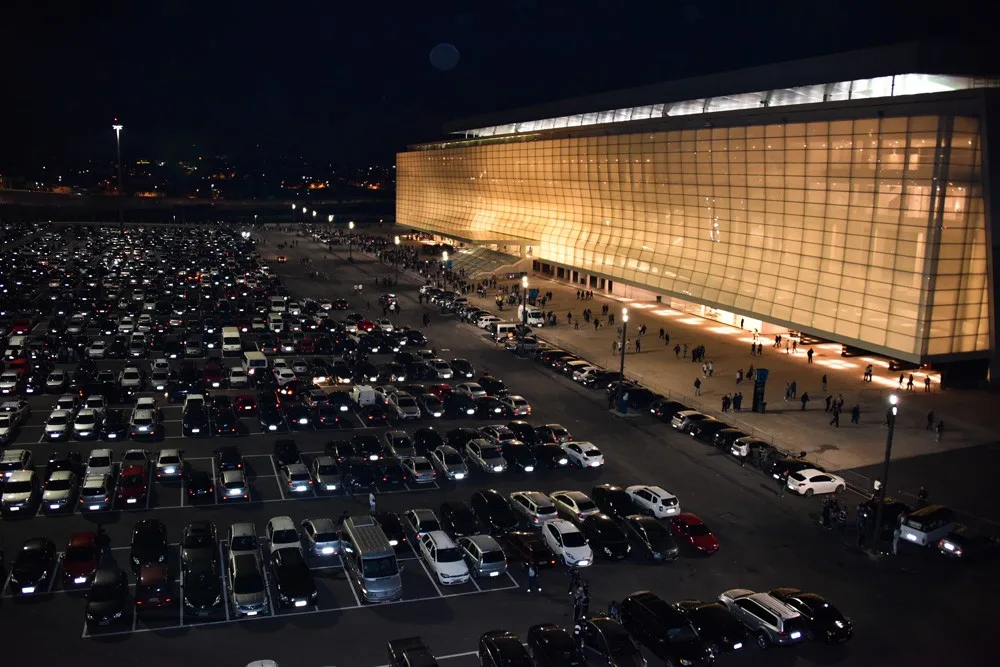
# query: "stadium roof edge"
(925, 57)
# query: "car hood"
(202, 591)
(9, 498)
(250, 599)
(78, 568)
(104, 609)
(56, 494)
(198, 555)
(663, 545)
(295, 587)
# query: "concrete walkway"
(971, 417)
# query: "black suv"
(149, 544)
(664, 630)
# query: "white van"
(502, 330)
(278, 304)
(15, 346)
(535, 317)
(275, 322)
(254, 363)
(231, 342)
(363, 394)
(927, 525)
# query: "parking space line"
(225, 570)
(272, 611)
(215, 490)
(428, 573)
(350, 583)
(475, 583)
(274, 467)
(180, 602)
(150, 486)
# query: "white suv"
(444, 558)
(654, 500)
(282, 534)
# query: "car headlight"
(162, 558)
(839, 624)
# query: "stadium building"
(845, 197)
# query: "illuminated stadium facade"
(846, 197)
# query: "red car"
(80, 560)
(691, 530)
(213, 375)
(21, 327)
(243, 324)
(20, 365)
(306, 346)
(154, 588)
(439, 390)
(133, 487)
(245, 404)
(366, 325)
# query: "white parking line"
(267, 583)
(215, 489)
(180, 602)
(225, 591)
(274, 467)
(350, 584)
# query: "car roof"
(169, 452)
(323, 524)
(281, 523)
(243, 529)
(61, 474)
(440, 539)
(564, 526)
(82, 539)
(21, 476)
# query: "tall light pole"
(396, 242)
(118, 127)
(524, 310)
(890, 420)
(621, 369)
(350, 240)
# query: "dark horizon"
(353, 86)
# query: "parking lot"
(766, 540)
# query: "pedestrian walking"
(795, 389)
(824, 383)
(533, 579)
(739, 377)
(788, 391)
(685, 350)
(927, 383)
(788, 346)
(753, 349)
(782, 483)
(805, 400)
(760, 349)
(371, 501)
(737, 401)
(829, 402)
(940, 431)
(677, 351)
(662, 333)
(902, 378)
(909, 383)
(704, 370)
(836, 418)
(574, 580)
(711, 369)
(930, 420)
(637, 346)
(809, 354)
(697, 386)
(922, 496)
(856, 414)
(862, 531)
(795, 346)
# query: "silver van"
(927, 525)
(483, 554)
(370, 560)
(501, 331)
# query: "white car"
(567, 543)
(97, 403)
(18, 411)
(325, 304)
(282, 534)
(67, 402)
(486, 455)
(581, 375)
(810, 481)
(449, 462)
(421, 521)
(233, 486)
(56, 381)
(583, 454)
(8, 381)
(131, 378)
(385, 325)
(284, 376)
(278, 364)
(98, 349)
(8, 428)
(147, 403)
(444, 558)
(574, 504)
(442, 368)
(126, 324)
(86, 424)
(326, 472)
(160, 365)
(58, 425)
(238, 378)
(60, 489)
(654, 500)
(486, 320)
(100, 462)
(169, 464)
(321, 536)
(518, 405)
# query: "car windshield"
(58, 420)
(299, 477)
(142, 421)
(85, 420)
(697, 530)
(449, 555)
(490, 453)
(422, 466)
(682, 634)
(428, 525)
(169, 460)
(384, 566)
(328, 470)
(94, 491)
(453, 459)
(132, 481)
(62, 484)
(243, 542)
(80, 554)
(406, 403)
(195, 540)
(325, 537)
(574, 539)
(248, 583)
(100, 461)
(17, 487)
(104, 593)
(586, 505)
(493, 557)
(285, 536)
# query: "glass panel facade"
(831, 226)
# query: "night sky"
(352, 82)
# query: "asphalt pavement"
(915, 609)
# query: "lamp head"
(350, 225)
(524, 282)
(396, 240)
(329, 218)
(314, 214)
(444, 256)
(293, 207)
(624, 314)
(893, 399)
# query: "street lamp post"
(350, 240)
(621, 370)
(524, 310)
(118, 127)
(396, 256)
(890, 419)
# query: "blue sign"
(760, 376)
